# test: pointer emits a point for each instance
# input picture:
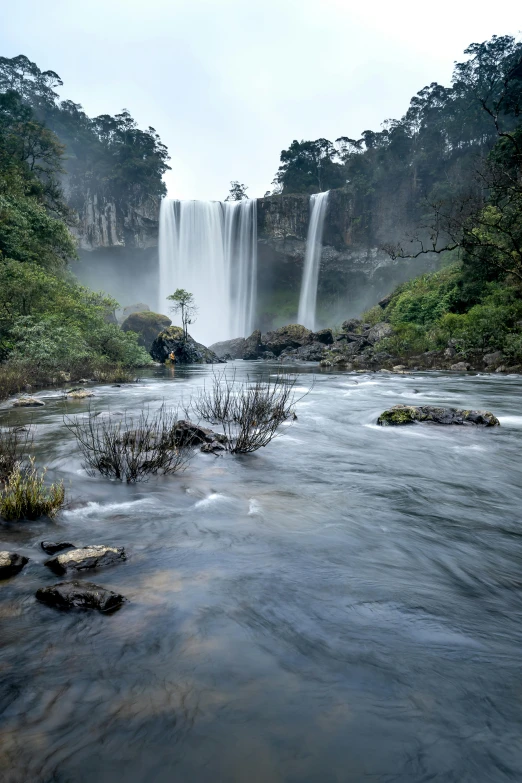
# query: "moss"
(399, 414)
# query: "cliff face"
(118, 252)
(117, 243)
(355, 272)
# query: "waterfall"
(308, 295)
(210, 249)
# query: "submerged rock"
(172, 343)
(52, 547)
(11, 563)
(79, 394)
(147, 326)
(80, 595)
(28, 402)
(189, 434)
(407, 414)
(86, 558)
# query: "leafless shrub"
(250, 413)
(15, 443)
(132, 447)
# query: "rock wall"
(118, 245)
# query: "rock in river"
(52, 547)
(11, 563)
(87, 557)
(28, 402)
(80, 595)
(406, 414)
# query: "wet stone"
(11, 563)
(86, 558)
(407, 414)
(52, 547)
(80, 595)
(28, 402)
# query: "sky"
(228, 84)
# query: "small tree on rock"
(184, 304)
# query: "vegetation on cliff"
(49, 324)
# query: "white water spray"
(210, 249)
(308, 295)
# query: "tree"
(184, 304)
(237, 192)
(310, 167)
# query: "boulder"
(28, 402)
(324, 336)
(52, 547)
(11, 563)
(79, 394)
(253, 346)
(135, 308)
(230, 349)
(407, 414)
(379, 332)
(493, 359)
(80, 595)
(307, 353)
(147, 326)
(86, 558)
(351, 325)
(171, 342)
(291, 336)
(385, 301)
(189, 434)
(460, 366)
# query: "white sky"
(229, 83)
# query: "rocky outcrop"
(147, 326)
(11, 563)
(287, 337)
(86, 558)
(408, 414)
(80, 595)
(172, 345)
(140, 307)
(230, 349)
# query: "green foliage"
(184, 303)
(25, 495)
(309, 167)
(237, 191)
(372, 316)
(111, 153)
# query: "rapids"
(344, 605)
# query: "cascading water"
(210, 249)
(308, 295)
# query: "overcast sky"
(229, 83)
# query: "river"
(342, 606)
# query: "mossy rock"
(171, 345)
(147, 326)
(291, 336)
(407, 414)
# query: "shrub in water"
(25, 495)
(132, 447)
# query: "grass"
(26, 496)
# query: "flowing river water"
(344, 605)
